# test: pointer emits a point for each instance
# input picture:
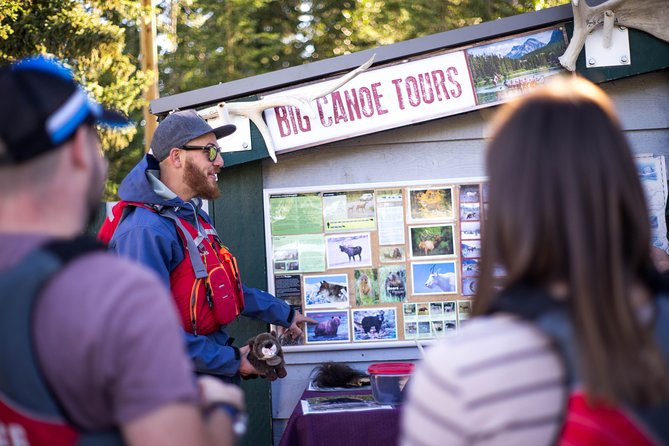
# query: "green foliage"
(205, 42)
(90, 38)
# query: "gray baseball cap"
(180, 127)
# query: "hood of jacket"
(143, 185)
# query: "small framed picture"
(469, 193)
(325, 290)
(378, 324)
(470, 230)
(348, 251)
(393, 283)
(470, 267)
(469, 286)
(389, 254)
(431, 204)
(470, 211)
(432, 241)
(331, 326)
(470, 248)
(366, 287)
(434, 278)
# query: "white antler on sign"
(253, 110)
(651, 16)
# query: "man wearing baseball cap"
(91, 348)
(164, 227)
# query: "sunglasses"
(212, 150)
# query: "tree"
(90, 38)
(210, 41)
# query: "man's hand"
(245, 367)
(294, 331)
(213, 391)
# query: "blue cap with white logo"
(41, 107)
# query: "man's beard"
(96, 188)
(199, 182)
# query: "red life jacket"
(29, 411)
(205, 286)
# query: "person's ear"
(175, 157)
(78, 148)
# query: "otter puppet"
(266, 355)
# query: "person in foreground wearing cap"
(79, 359)
(166, 229)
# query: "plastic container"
(388, 381)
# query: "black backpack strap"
(20, 288)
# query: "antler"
(650, 16)
(253, 110)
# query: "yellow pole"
(149, 58)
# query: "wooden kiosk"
(372, 214)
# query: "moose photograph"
(434, 278)
(377, 324)
(326, 291)
(348, 251)
(432, 241)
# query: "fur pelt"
(336, 374)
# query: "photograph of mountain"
(506, 68)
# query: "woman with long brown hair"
(562, 345)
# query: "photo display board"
(379, 262)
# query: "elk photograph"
(432, 241)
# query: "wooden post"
(149, 58)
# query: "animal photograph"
(332, 326)
(431, 204)
(348, 251)
(340, 209)
(470, 211)
(471, 248)
(470, 193)
(424, 329)
(409, 312)
(389, 254)
(326, 291)
(432, 241)
(470, 267)
(434, 278)
(437, 328)
(464, 308)
(366, 287)
(378, 324)
(470, 230)
(393, 283)
(410, 330)
(436, 309)
(469, 286)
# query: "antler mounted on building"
(651, 16)
(253, 110)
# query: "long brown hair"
(566, 207)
